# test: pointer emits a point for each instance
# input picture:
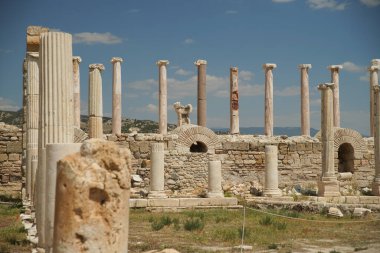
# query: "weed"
(334, 251)
(280, 225)
(228, 194)
(157, 225)
(266, 221)
(360, 248)
(193, 224)
(166, 220)
(272, 246)
(195, 214)
(221, 219)
(247, 232)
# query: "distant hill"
(150, 126)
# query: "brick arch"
(346, 135)
(189, 134)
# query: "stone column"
(271, 172)
(76, 82)
(234, 101)
(305, 105)
(373, 81)
(92, 201)
(376, 182)
(116, 95)
(215, 180)
(202, 94)
(328, 184)
(56, 109)
(32, 115)
(335, 80)
(95, 102)
(162, 97)
(268, 120)
(54, 153)
(157, 171)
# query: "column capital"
(376, 88)
(200, 62)
(374, 68)
(325, 86)
(77, 59)
(269, 66)
(162, 62)
(34, 55)
(234, 69)
(335, 67)
(304, 66)
(96, 66)
(375, 62)
(116, 59)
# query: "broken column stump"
(92, 201)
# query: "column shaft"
(268, 118)
(116, 95)
(335, 80)
(376, 183)
(305, 105)
(271, 172)
(162, 97)
(202, 94)
(157, 171)
(95, 102)
(234, 101)
(215, 180)
(373, 81)
(76, 89)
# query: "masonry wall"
(10, 160)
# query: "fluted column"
(162, 97)
(305, 104)
(376, 182)
(32, 115)
(202, 94)
(373, 81)
(56, 109)
(328, 184)
(95, 102)
(335, 80)
(271, 172)
(234, 101)
(76, 82)
(268, 120)
(116, 95)
(157, 171)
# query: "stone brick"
(236, 145)
(3, 157)
(14, 157)
(14, 147)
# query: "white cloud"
(352, 67)
(364, 78)
(6, 51)
(151, 108)
(316, 102)
(327, 4)
(182, 72)
(245, 75)
(188, 41)
(145, 85)
(8, 105)
(231, 12)
(370, 3)
(288, 91)
(96, 38)
(282, 1)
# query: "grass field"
(201, 231)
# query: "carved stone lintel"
(304, 66)
(162, 62)
(116, 59)
(269, 65)
(200, 62)
(96, 66)
(77, 59)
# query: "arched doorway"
(346, 156)
(198, 147)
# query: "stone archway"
(193, 138)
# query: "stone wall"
(10, 160)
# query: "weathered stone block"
(3, 157)
(163, 202)
(14, 157)
(14, 147)
(236, 145)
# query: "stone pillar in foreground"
(328, 185)
(162, 97)
(92, 201)
(271, 172)
(76, 82)
(95, 102)
(335, 80)
(32, 115)
(268, 117)
(373, 81)
(54, 153)
(157, 171)
(116, 95)
(376, 182)
(202, 94)
(215, 180)
(234, 101)
(305, 104)
(56, 109)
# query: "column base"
(215, 195)
(40, 250)
(328, 187)
(272, 193)
(376, 188)
(157, 195)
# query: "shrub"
(157, 225)
(280, 225)
(219, 219)
(193, 224)
(266, 221)
(272, 246)
(247, 232)
(195, 214)
(166, 220)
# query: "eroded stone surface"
(93, 189)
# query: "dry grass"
(222, 228)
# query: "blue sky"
(242, 33)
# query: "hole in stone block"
(99, 195)
(346, 158)
(198, 147)
(80, 237)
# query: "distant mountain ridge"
(150, 126)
